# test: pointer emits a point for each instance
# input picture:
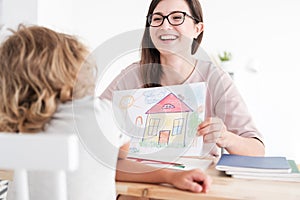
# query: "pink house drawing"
(166, 122)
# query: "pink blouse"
(223, 99)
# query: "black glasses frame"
(167, 17)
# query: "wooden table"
(6, 175)
(223, 187)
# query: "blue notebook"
(231, 162)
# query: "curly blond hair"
(38, 70)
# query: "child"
(47, 87)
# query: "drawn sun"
(126, 102)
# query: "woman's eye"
(157, 19)
(177, 17)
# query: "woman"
(173, 33)
(46, 87)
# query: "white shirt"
(95, 177)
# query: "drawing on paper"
(162, 117)
(166, 121)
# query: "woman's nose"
(166, 25)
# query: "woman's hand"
(193, 180)
(214, 130)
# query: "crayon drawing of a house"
(166, 123)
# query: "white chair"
(49, 152)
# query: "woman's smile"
(168, 37)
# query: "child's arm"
(123, 151)
(192, 180)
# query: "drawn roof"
(169, 104)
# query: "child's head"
(38, 70)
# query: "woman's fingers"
(212, 137)
(210, 126)
(212, 130)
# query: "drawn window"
(153, 127)
(168, 106)
(177, 126)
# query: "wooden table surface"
(223, 187)
(6, 175)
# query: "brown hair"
(38, 70)
(150, 56)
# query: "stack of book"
(264, 168)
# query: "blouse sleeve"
(227, 104)
(129, 78)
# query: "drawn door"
(164, 136)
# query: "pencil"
(155, 161)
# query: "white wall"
(56, 14)
(1, 12)
(266, 32)
(18, 11)
(259, 33)
(93, 20)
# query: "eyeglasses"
(175, 18)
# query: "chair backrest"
(3, 189)
(44, 152)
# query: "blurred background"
(261, 35)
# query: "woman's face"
(178, 39)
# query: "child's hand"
(193, 180)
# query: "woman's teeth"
(168, 37)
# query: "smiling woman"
(179, 35)
(172, 35)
